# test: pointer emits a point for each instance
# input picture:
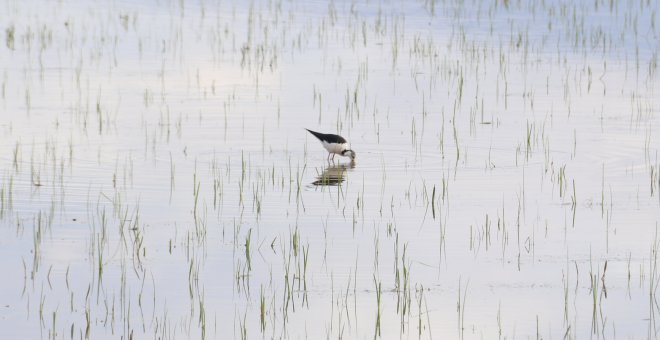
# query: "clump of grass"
(10, 31)
(379, 291)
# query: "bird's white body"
(336, 148)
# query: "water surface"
(157, 180)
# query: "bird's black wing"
(326, 137)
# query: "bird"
(335, 144)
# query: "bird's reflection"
(333, 175)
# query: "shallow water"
(157, 180)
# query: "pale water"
(157, 180)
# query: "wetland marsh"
(157, 180)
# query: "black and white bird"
(335, 144)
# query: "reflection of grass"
(379, 292)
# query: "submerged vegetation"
(157, 181)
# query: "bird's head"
(349, 153)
